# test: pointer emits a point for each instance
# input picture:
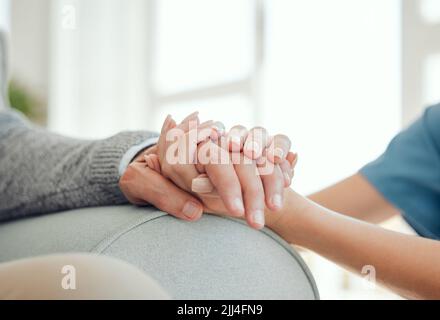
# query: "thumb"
(163, 194)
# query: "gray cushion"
(214, 258)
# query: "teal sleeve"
(408, 173)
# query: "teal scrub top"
(408, 173)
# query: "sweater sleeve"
(43, 172)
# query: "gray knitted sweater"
(42, 172)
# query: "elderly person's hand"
(142, 186)
(241, 171)
(142, 183)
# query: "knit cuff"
(106, 160)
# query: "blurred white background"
(339, 77)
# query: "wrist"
(136, 149)
(291, 221)
(150, 150)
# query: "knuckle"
(253, 190)
(237, 130)
(258, 128)
(129, 174)
(238, 127)
(281, 136)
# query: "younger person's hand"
(262, 182)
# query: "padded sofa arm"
(214, 258)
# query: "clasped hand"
(199, 167)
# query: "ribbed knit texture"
(42, 172)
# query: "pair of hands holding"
(199, 167)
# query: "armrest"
(214, 258)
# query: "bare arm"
(407, 264)
(357, 198)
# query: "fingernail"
(277, 201)
(166, 123)
(258, 217)
(278, 152)
(202, 185)
(190, 209)
(238, 206)
(171, 124)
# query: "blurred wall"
(29, 58)
(420, 56)
(99, 66)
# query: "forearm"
(43, 172)
(357, 198)
(407, 264)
